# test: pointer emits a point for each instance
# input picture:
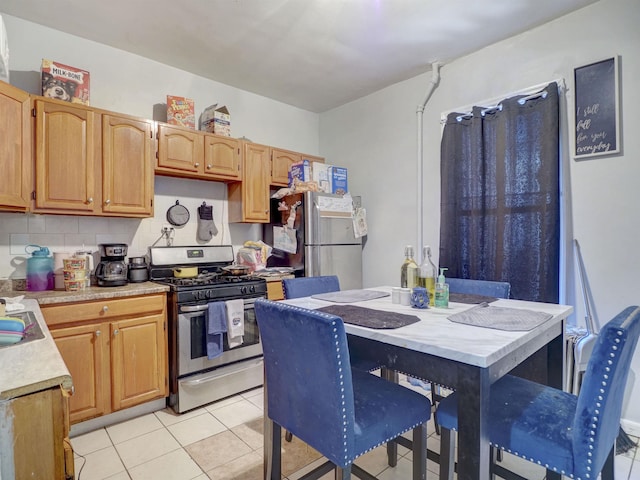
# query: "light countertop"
(49, 297)
(32, 366)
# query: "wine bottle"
(409, 269)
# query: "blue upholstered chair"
(307, 286)
(479, 287)
(312, 392)
(572, 435)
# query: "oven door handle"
(194, 308)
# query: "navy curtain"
(500, 208)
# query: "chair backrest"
(479, 287)
(306, 286)
(308, 376)
(597, 421)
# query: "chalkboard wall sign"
(597, 109)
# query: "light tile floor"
(223, 441)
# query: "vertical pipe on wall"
(435, 78)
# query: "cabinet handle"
(197, 164)
(90, 200)
(209, 167)
(105, 309)
(97, 333)
(107, 201)
(116, 331)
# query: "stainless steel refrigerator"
(325, 242)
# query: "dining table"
(460, 356)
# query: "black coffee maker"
(112, 271)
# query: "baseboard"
(630, 428)
(117, 417)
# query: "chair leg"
(420, 452)
(607, 470)
(392, 446)
(276, 455)
(447, 453)
(343, 473)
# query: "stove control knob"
(243, 289)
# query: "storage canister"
(39, 269)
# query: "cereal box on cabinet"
(63, 82)
(181, 111)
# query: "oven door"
(192, 341)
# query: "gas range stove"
(211, 282)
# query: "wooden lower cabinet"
(115, 350)
(35, 436)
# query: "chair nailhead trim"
(593, 426)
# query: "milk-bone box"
(63, 82)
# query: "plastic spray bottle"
(442, 291)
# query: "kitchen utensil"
(185, 272)
(138, 271)
(178, 215)
(236, 269)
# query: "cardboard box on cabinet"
(181, 111)
(64, 82)
(216, 120)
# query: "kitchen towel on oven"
(216, 326)
(235, 322)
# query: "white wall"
(375, 137)
(127, 83)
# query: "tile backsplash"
(69, 233)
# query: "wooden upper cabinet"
(281, 161)
(92, 162)
(127, 165)
(15, 149)
(180, 150)
(249, 199)
(67, 151)
(183, 152)
(222, 157)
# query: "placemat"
(501, 318)
(350, 296)
(470, 298)
(368, 317)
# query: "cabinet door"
(138, 361)
(82, 349)
(312, 158)
(249, 199)
(32, 435)
(180, 150)
(66, 141)
(222, 157)
(281, 161)
(127, 169)
(15, 149)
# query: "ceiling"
(313, 54)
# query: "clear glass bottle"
(409, 270)
(427, 274)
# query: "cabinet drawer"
(106, 309)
